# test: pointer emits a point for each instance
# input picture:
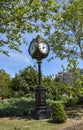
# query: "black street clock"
(39, 48)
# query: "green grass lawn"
(17, 123)
(26, 124)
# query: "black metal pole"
(39, 73)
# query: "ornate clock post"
(39, 49)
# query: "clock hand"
(43, 46)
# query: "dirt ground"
(75, 126)
(75, 119)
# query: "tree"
(78, 86)
(66, 38)
(24, 82)
(21, 16)
(5, 81)
(75, 87)
(55, 88)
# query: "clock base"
(40, 114)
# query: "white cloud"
(20, 57)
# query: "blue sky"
(18, 61)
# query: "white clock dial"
(43, 47)
(32, 48)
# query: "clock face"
(32, 48)
(43, 47)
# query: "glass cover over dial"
(32, 48)
(43, 47)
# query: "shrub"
(16, 106)
(80, 100)
(70, 102)
(51, 102)
(58, 113)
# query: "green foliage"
(21, 106)
(16, 106)
(80, 100)
(5, 80)
(75, 87)
(19, 17)
(50, 103)
(55, 88)
(25, 82)
(58, 114)
(72, 66)
(78, 87)
(69, 101)
(67, 37)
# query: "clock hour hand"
(43, 46)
